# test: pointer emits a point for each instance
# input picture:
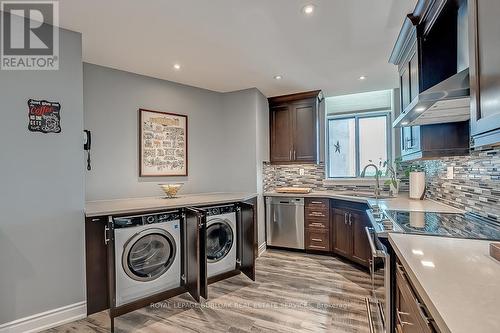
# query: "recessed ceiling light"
(278, 77)
(362, 77)
(420, 109)
(177, 67)
(404, 123)
(308, 9)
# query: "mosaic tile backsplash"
(475, 186)
(289, 175)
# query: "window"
(355, 140)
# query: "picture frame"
(163, 144)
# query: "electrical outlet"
(301, 172)
(450, 173)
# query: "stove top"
(465, 225)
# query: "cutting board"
(295, 190)
(495, 250)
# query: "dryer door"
(148, 254)
(220, 239)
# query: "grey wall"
(42, 187)
(227, 135)
(263, 145)
(111, 101)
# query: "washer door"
(220, 239)
(148, 254)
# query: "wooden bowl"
(171, 189)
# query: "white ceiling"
(227, 45)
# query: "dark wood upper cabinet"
(484, 48)
(281, 134)
(294, 127)
(426, 54)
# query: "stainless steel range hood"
(446, 102)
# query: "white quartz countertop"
(401, 202)
(136, 205)
(457, 279)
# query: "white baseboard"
(45, 320)
(262, 248)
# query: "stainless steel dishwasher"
(285, 222)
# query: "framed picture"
(162, 144)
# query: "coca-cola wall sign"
(44, 116)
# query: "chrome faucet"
(377, 178)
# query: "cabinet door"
(484, 69)
(414, 80)
(305, 131)
(193, 251)
(342, 234)
(404, 83)
(246, 239)
(360, 247)
(281, 134)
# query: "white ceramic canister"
(417, 185)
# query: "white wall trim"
(262, 248)
(45, 320)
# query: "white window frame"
(357, 115)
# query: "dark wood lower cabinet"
(317, 225)
(342, 234)
(411, 315)
(348, 232)
(96, 263)
(361, 252)
(337, 226)
(100, 258)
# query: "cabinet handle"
(317, 214)
(316, 224)
(317, 239)
(345, 218)
(317, 202)
(421, 309)
(317, 247)
(403, 323)
(294, 154)
(95, 220)
(290, 154)
(106, 239)
(350, 219)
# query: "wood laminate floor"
(294, 292)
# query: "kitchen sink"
(364, 194)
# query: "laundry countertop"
(137, 205)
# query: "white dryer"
(221, 240)
(147, 255)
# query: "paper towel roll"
(417, 185)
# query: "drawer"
(318, 240)
(317, 204)
(415, 311)
(317, 222)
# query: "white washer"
(147, 255)
(221, 240)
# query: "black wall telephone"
(87, 142)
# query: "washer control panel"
(211, 211)
(137, 220)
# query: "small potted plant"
(393, 181)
